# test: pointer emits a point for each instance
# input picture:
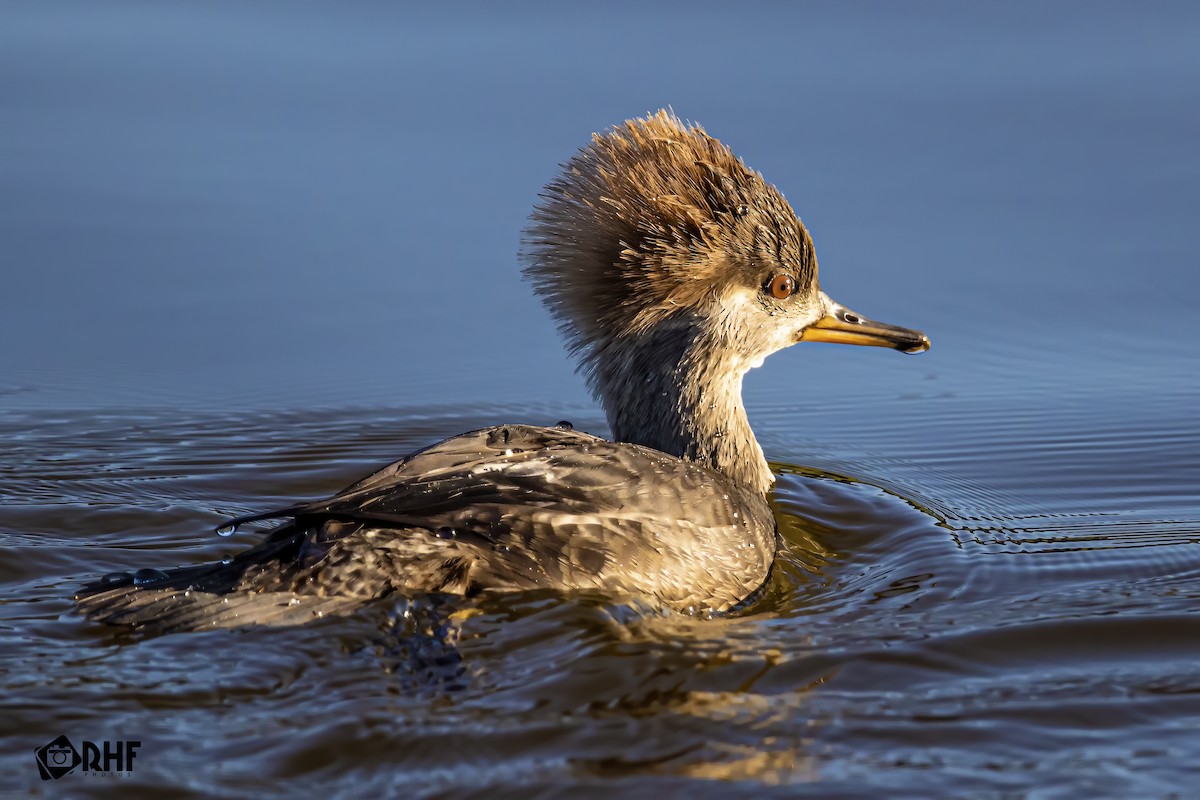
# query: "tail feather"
(164, 610)
(295, 576)
(220, 595)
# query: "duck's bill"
(840, 325)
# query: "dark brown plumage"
(672, 270)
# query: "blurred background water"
(250, 252)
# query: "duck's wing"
(318, 567)
(512, 507)
(467, 450)
(476, 447)
(548, 508)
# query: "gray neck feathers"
(672, 390)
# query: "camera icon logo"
(57, 758)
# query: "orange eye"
(782, 286)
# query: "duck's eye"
(782, 286)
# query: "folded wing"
(504, 508)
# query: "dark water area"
(252, 252)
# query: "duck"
(671, 269)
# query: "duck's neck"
(676, 392)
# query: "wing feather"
(511, 507)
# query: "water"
(252, 253)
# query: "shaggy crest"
(653, 219)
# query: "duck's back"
(504, 508)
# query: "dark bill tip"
(840, 325)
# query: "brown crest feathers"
(647, 221)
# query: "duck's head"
(655, 226)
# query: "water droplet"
(565, 425)
(116, 578)
(226, 560)
(446, 533)
(227, 530)
(147, 576)
(295, 601)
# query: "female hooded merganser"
(672, 269)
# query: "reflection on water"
(254, 252)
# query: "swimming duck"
(672, 269)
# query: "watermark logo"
(59, 757)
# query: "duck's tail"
(301, 572)
(254, 588)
